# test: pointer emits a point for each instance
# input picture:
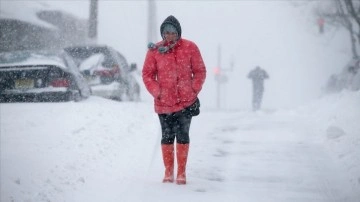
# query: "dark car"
(42, 75)
(107, 71)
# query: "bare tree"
(353, 9)
(351, 6)
(343, 14)
(345, 20)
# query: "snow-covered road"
(100, 150)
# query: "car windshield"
(91, 62)
(80, 54)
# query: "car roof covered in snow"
(33, 57)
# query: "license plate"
(24, 83)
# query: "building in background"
(41, 29)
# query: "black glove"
(194, 109)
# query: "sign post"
(220, 77)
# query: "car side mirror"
(133, 66)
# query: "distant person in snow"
(174, 73)
(257, 75)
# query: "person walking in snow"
(258, 76)
(174, 73)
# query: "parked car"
(348, 78)
(42, 75)
(106, 71)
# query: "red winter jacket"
(174, 78)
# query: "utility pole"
(220, 76)
(93, 19)
(151, 35)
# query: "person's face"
(170, 36)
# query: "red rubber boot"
(168, 158)
(182, 151)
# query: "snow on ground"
(102, 150)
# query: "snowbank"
(336, 117)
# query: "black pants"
(175, 125)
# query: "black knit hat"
(173, 21)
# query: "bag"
(194, 109)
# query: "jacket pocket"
(168, 97)
(187, 94)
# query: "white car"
(107, 72)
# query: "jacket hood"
(173, 21)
